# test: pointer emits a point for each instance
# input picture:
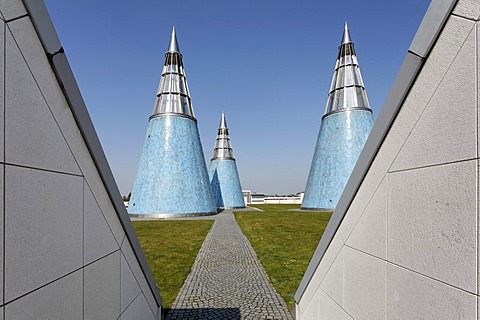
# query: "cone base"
(317, 209)
(171, 215)
(225, 184)
(340, 141)
(172, 178)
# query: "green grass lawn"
(284, 242)
(170, 248)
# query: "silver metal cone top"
(347, 90)
(223, 148)
(173, 46)
(223, 122)
(173, 96)
(346, 35)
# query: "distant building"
(262, 198)
(247, 196)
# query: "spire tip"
(173, 46)
(346, 35)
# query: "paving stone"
(227, 280)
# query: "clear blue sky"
(267, 64)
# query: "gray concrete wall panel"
(365, 282)
(95, 228)
(468, 9)
(12, 9)
(64, 219)
(129, 285)
(61, 299)
(102, 288)
(43, 145)
(43, 239)
(432, 222)
(2, 87)
(414, 296)
(138, 274)
(445, 130)
(373, 221)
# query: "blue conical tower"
(344, 129)
(223, 172)
(172, 178)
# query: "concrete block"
(99, 240)
(132, 262)
(29, 121)
(469, 9)
(12, 9)
(328, 309)
(334, 281)
(102, 288)
(444, 133)
(432, 222)
(364, 273)
(413, 296)
(61, 299)
(370, 232)
(129, 286)
(43, 228)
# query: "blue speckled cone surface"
(340, 141)
(172, 177)
(226, 183)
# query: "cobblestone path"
(227, 280)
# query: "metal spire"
(347, 91)
(223, 122)
(173, 96)
(173, 47)
(223, 149)
(346, 35)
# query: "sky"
(267, 64)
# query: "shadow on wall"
(203, 313)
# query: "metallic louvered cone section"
(223, 172)
(173, 95)
(344, 129)
(172, 178)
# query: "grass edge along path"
(284, 242)
(171, 247)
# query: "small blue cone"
(223, 172)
